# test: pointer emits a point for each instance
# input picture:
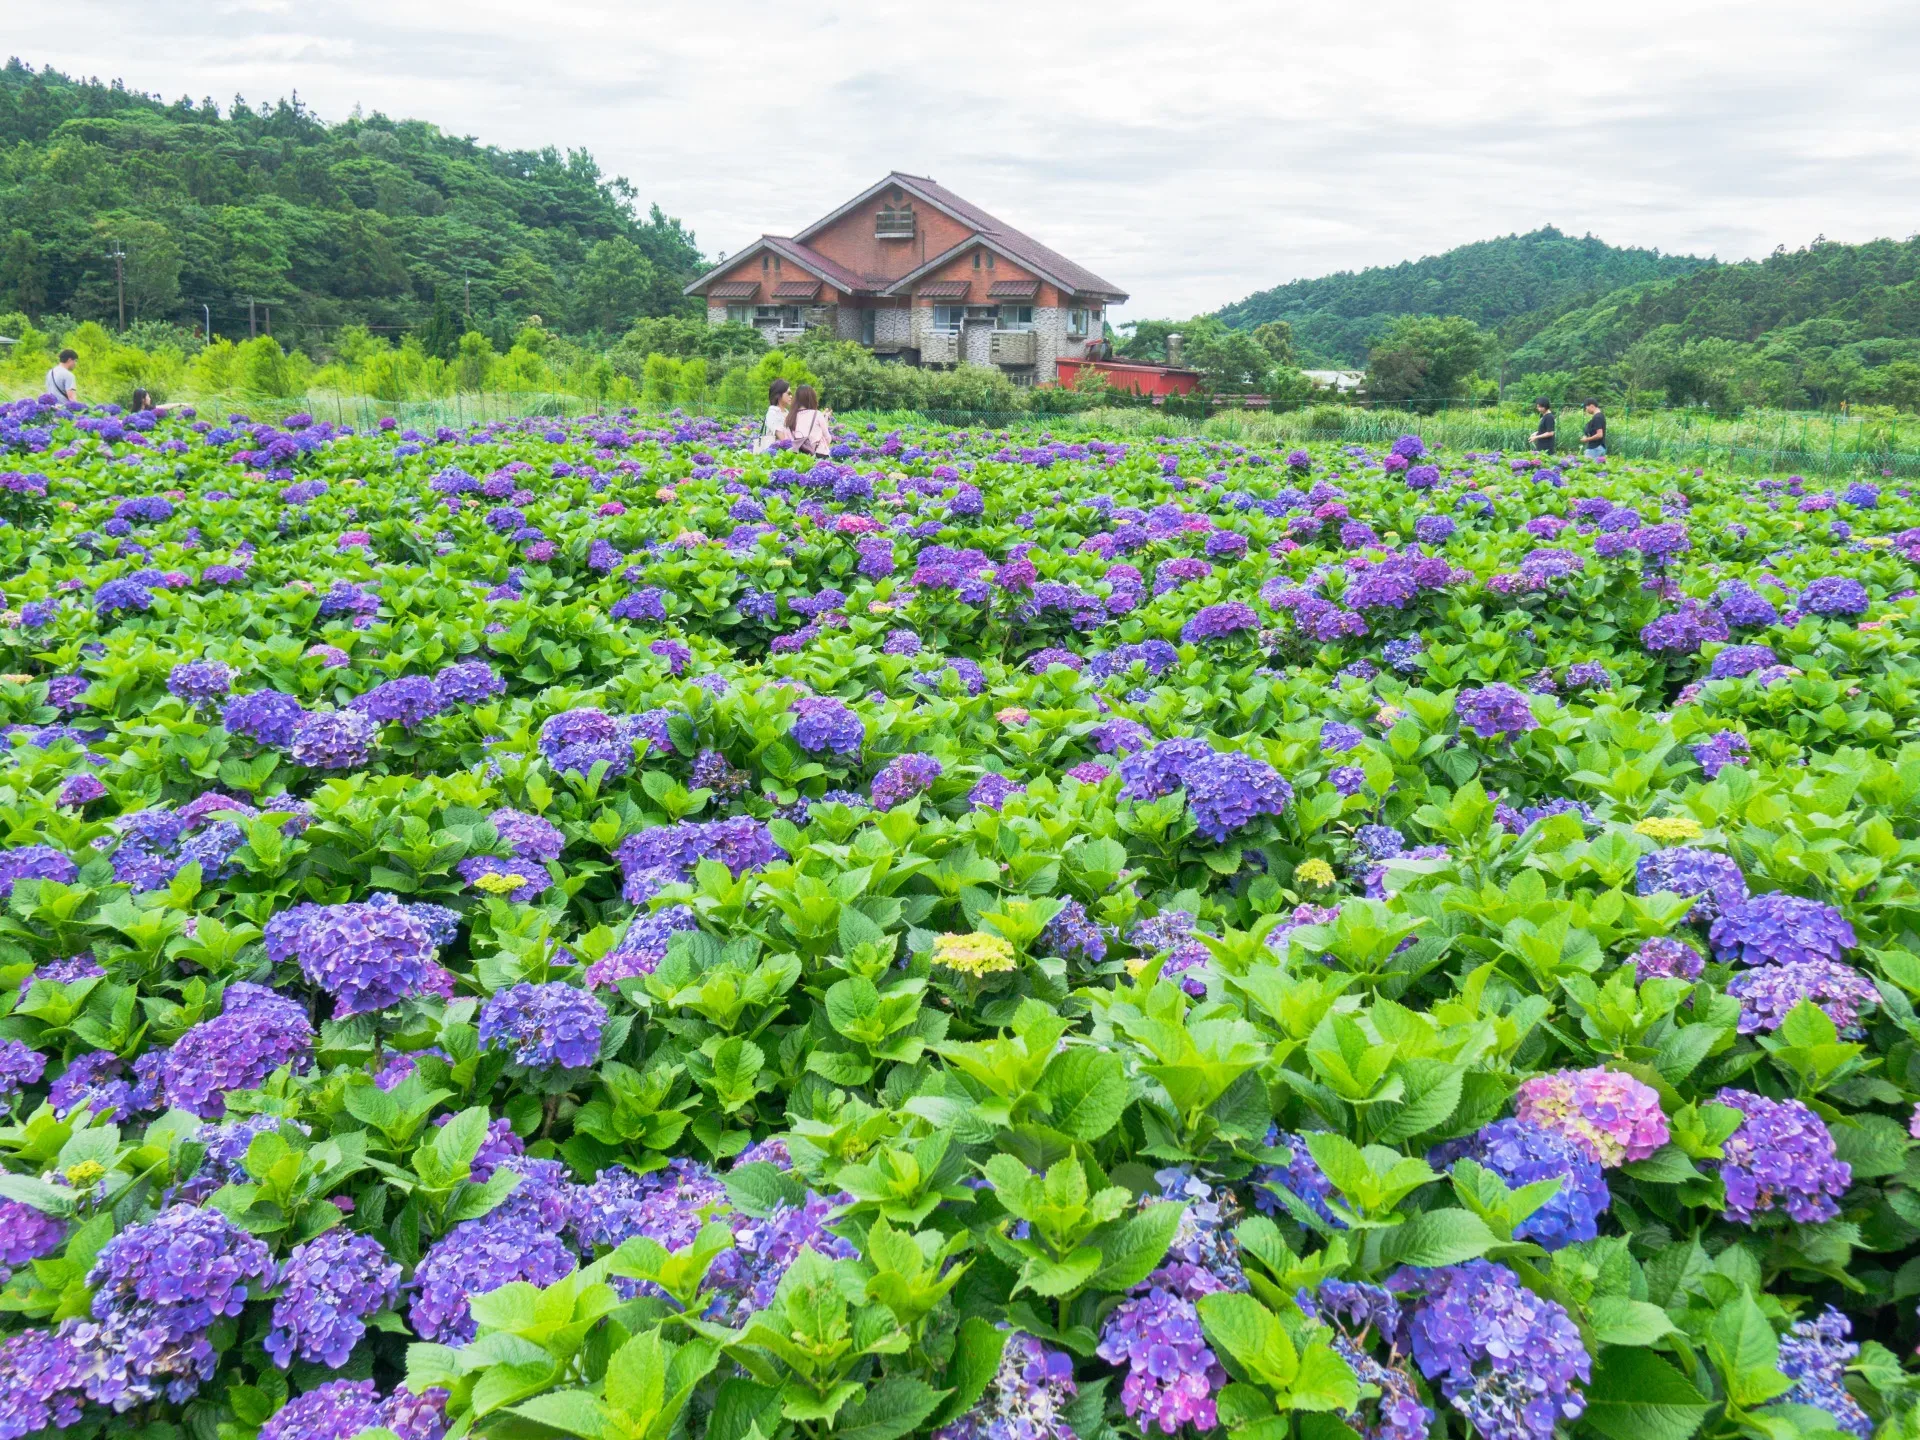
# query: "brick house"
(913, 272)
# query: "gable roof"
(1001, 237)
(1014, 244)
(805, 256)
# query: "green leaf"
(1635, 1395)
(976, 1359)
(1745, 1348)
(1085, 1090)
(1616, 1320)
(891, 1409)
(1438, 1237)
(1131, 1251)
(572, 1411)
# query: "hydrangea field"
(584, 929)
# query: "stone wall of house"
(977, 344)
(1049, 342)
(847, 323)
(716, 314)
(893, 325)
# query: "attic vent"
(893, 222)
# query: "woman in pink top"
(807, 422)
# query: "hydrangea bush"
(582, 927)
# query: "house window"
(976, 259)
(866, 327)
(989, 313)
(783, 317)
(764, 261)
(739, 314)
(1076, 324)
(1016, 317)
(947, 318)
(989, 259)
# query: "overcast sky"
(1191, 153)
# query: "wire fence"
(1822, 445)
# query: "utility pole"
(251, 330)
(268, 318)
(120, 282)
(466, 301)
(206, 335)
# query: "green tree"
(1276, 338)
(614, 287)
(472, 361)
(23, 279)
(440, 337)
(1424, 359)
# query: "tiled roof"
(1023, 247)
(944, 289)
(832, 271)
(805, 256)
(733, 290)
(796, 290)
(1013, 289)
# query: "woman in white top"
(807, 423)
(775, 425)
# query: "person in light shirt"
(779, 397)
(61, 382)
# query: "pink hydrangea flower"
(1615, 1117)
(611, 507)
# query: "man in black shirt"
(1542, 439)
(1594, 438)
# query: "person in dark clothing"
(1542, 438)
(1593, 439)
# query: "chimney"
(1173, 349)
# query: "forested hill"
(366, 220)
(1859, 302)
(1513, 284)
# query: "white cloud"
(1191, 153)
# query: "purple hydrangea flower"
(410, 701)
(1520, 1153)
(368, 956)
(1688, 870)
(1768, 994)
(468, 683)
(823, 725)
(158, 1289)
(334, 740)
(1815, 1355)
(1777, 928)
(641, 949)
(1834, 595)
(1781, 1158)
(200, 681)
(34, 862)
(328, 1288)
(667, 854)
(477, 1256)
(547, 1027)
(256, 1033)
(1683, 631)
(1172, 1375)
(1721, 749)
(1027, 1399)
(1665, 957)
(1509, 1360)
(903, 778)
(1612, 1116)
(1217, 622)
(1495, 710)
(574, 741)
(266, 717)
